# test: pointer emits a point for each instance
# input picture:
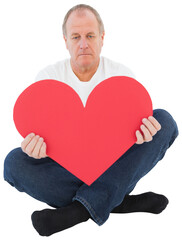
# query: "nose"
(83, 43)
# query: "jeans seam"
(97, 219)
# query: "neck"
(84, 74)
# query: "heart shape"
(84, 140)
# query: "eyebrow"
(91, 33)
(78, 33)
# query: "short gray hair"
(82, 7)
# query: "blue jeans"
(48, 182)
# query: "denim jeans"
(47, 181)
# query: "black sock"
(49, 221)
(146, 202)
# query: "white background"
(145, 36)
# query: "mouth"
(84, 54)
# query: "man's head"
(83, 32)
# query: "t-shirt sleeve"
(42, 75)
(113, 68)
(124, 71)
(46, 73)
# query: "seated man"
(30, 170)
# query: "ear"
(65, 39)
(102, 37)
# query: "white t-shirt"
(63, 72)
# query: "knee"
(169, 128)
(12, 165)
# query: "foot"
(50, 221)
(146, 202)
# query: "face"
(83, 40)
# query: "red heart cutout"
(84, 140)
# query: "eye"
(75, 37)
(90, 36)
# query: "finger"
(42, 153)
(27, 140)
(149, 126)
(30, 147)
(36, 150)
(139, 136)
(155, 123)
(146, 134)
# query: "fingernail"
(144, 120)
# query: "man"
(29, 169)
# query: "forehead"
(82, 22)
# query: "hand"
(34, 146)
(149, 128)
